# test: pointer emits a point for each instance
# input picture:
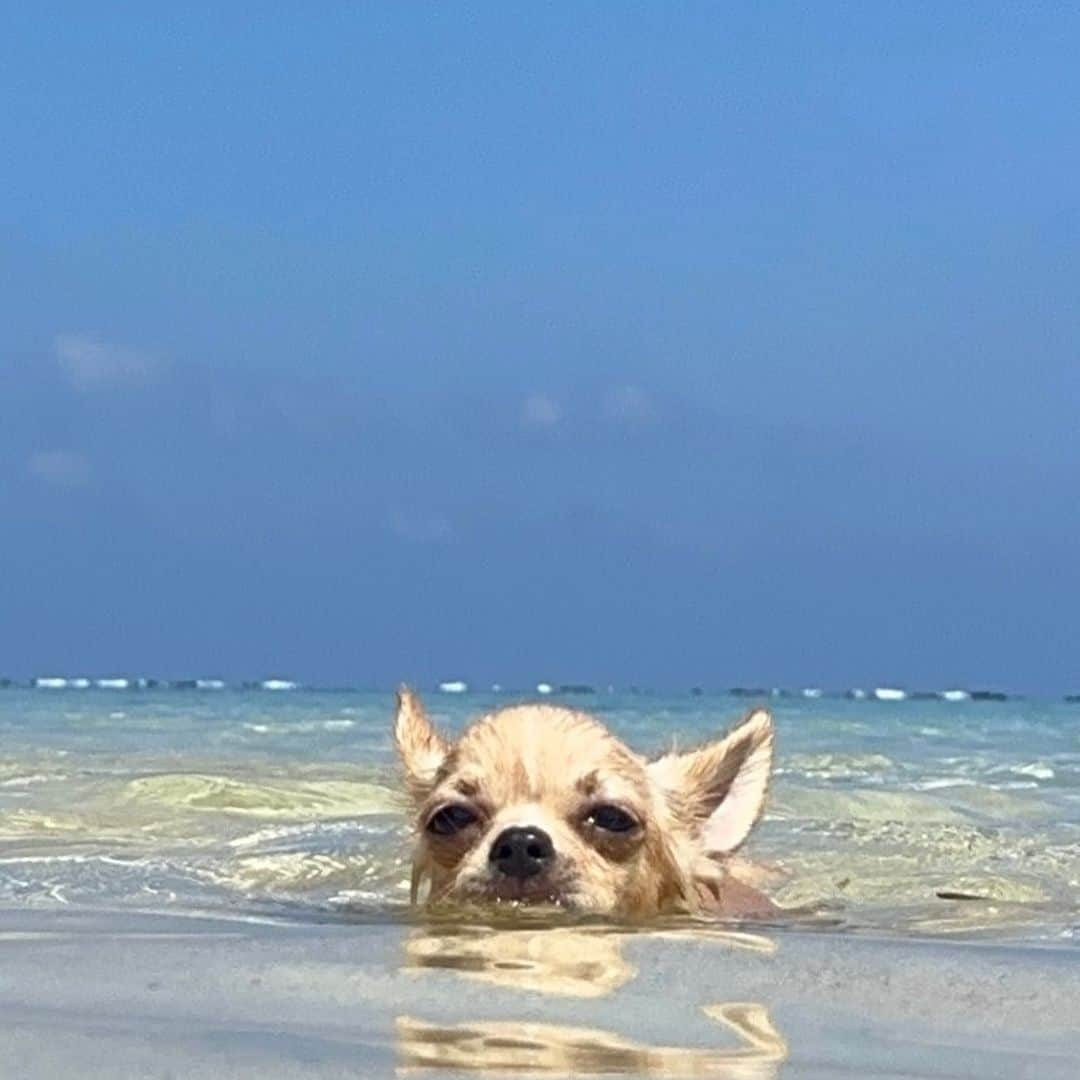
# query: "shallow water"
(240, 998)
(286, 804)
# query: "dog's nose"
(521, 852)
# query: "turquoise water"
(286, 803)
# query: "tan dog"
(541, 804)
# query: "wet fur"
(545, 766)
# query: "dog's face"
(540, 804)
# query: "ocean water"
(912, 818)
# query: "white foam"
(1036, 769)
(112, 684)
(209, 684)
(954, 695)
(454, 686)
(889, 693)
(937, 782)
(50, 682)
(812, 692)
(32, 778)
(274, 832)
(544, 688)
(278, 684)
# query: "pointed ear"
(721, 786)
(421, 748)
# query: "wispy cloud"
(628, 405)
(91, 364)
(540, 411)
(60, 467)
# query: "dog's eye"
(611, 819)
(450, 819)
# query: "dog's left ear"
(421, 748)
(721, 786)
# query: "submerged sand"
(87, 993)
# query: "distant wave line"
(890, 693)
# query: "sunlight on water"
(927, 818)
(284, 799)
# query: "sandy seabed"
(119, 994)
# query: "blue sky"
(667, 344)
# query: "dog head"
(541, 804)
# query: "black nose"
(521, 852)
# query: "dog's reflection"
(503, 1046)
(572, 962)
(562, 961)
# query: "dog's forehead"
(529, 750)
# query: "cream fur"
(546, 766)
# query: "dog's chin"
(538, 892)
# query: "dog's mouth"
(523, 891)
(537, 891)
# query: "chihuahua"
(537, 804)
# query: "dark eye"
(611, 819)
(450, 819)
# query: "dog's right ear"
(421, 748)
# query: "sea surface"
(910, 818)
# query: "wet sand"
(100, 994)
